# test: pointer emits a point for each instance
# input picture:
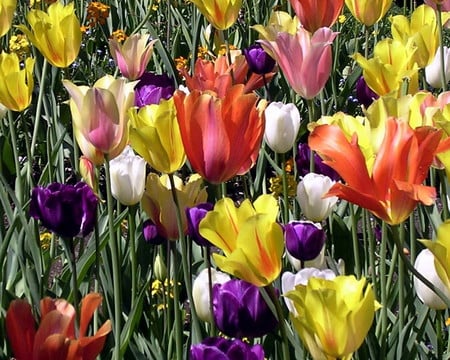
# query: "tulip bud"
(87, 172)
(150, 232)
(364, 94)
(201, 292)
(159, 269)
(194, 215)
(152, 88)
(282, 125)
(310, 192)
(433, 70)
(424, 264)
(304, 240)
(258, 60)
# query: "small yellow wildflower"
(97, 13)
(341, 19)
(181, 63)
(223, 49)
(45, 240)
(19, 44)
(289, 165)
(447, 322)
(276, 185)
(119, 35)
(202, 52)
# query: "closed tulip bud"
(152, 88)
(150, 233)
(127, 177)
(241, 311)
(258, 60)
(304, 240)
(159, 269)
(310, 192)
(88, 173)
(194, 215)
(201, 292)
(433, 71)
(133, 55)
(155, 135)
(282, 125)
(364, 94)
(220, 13)
(226, 349)
(7, 8)
(56, 33)
(16, 82)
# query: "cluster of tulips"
(240, 179)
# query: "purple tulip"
(302, 160)
(151, 88)
(258, 60)
(66, 210)
(217, 348)
(240, 310)
(364, 94)
(150, 232)
(194, 215)
(304, 240)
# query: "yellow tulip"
(16, 83)
(392, 64)
(220, 13)
(421, 31)
(368, 12)
(155, 135)
(7, 8)
(158, 202)
(249, 236)
(333, 316)
(279, 21)
(56, 33)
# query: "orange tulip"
(221, 136)
(314, 14)
(393, 186)
(55, 337)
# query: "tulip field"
(224, 179)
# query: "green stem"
(39, 103)
(285, 189)
(18, 186)
(176, 302)
(70, 253)
(133, 258)
(115, 264)
(401, 283)
(210, 286)
(355, 242)
(441, 45)
(382, 329)
(311, 119)
(439, 334)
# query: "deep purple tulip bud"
(66, 210)
(217, 348)
(364, 94)
(240, 310)
(304, 240)
(258, 60)
(194, 215)
(151, 88)
(302, 160)
(150, 233)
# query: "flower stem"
(12, 130)
(39, 102)
(285, 189)
(70, 252)
(176, 301)
(441, 45)
(132, 244)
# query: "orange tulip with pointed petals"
(55, 337)
(393, 187)
(221, 136)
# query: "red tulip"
(314, 14)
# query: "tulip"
(133, 55)
(434, 265)
(368, 12)
(279, 21)
(249, 236)
(155, 135)
(152, 88)
(241, 311)
(392, 186)
(7, 8)
(421, 31)
(56, 33)
(194, 215)
(158, 202)
(201, 291)
(364, 94)
(282, 126)
(56, 337)
(99, 116)
(302, 159)
(258, 60)
(16, 82)
(150, 233)
(127, 177)
(310, 195)
(221, 136)
(433, 70)
(222, 14)
(67, 210)
(333, 316)
(289, 281)
(88, 173)
(226, 349)
(392, 62)
(305, 59)
(445, 4)
(304, 240)
(314, 14)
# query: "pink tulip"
(305, 59)
(445, 4)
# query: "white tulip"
(200, 292)
(289, 281)
(433, 70)
(310, 192)
(127, 177)
(424, 264)
(282, 125)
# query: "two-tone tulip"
(368, 12)
(222, 14)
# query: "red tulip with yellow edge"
(393, 187)
(221, 136)
(222, 14)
